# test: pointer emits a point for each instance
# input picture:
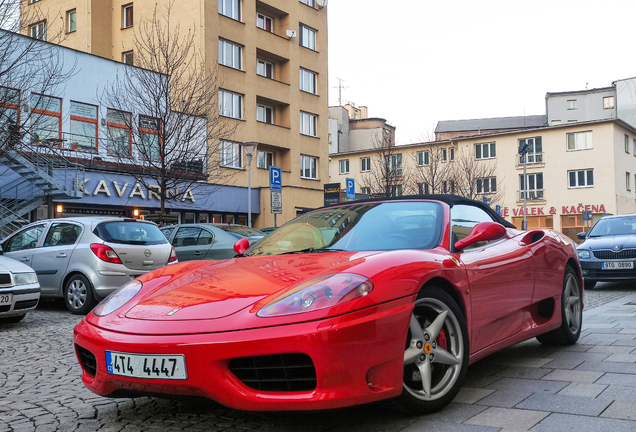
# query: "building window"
(264, 22)
(46, 117)
(555, 122)
(395, 190)
(308, 124)
(487, 185)
(422, 158)
(71, 21)
(444, 155)
(365, 190)
(535, 150)
(230, 104)
(230, 54)
(264, 69)
(393, 165)
(627, 144)
(231, 154)
(119, 132)
(344, 166)
(230, 8)
(627, 178)
(149, 128)
(307, 37)
(308, 167)
(579, 140)
(608, 102)
(365, 164)
(265, 114)
(308, 81)
(10, 109)
(452, 153)
(38, 31)
(572, 121)
(84, 126)
(128, 58)
(127, 15)
(485, 151)
(311, 3)
(448, 187)
(264, 159)
(423, 188)
(572, 104)
(534, 189)
(581, 178)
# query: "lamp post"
(250, 149)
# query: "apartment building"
(272, 61)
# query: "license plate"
(153, 366)
(5, 299)
(618, 265)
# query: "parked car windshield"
(369, 226)
(614, 227)
(129, 232)
(243, 231)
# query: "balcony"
(535, 160)
(531, 195)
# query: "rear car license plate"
(148, 366)
(618, 265)
(5, 299)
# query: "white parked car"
(19, 290)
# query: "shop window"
(84, 126)
(204, 218)
(46, 118)
(535, 222)
(242, 220)
(229, 219)
(217, 218)
(189, 218)
(571, 225)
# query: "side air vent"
(87, 358)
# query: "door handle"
(197, 253)
(25, 259)
(62, 255)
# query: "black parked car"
(609, 250)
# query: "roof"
(565, 93)
(496, 123)
(451, 200)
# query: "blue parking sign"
(351, 189)
(275, 179)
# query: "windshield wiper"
(313, 250)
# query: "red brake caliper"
(442, 343)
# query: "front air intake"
(276, 373)
(87, 359)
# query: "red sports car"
(344, 305)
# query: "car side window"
(463, 220)
(26, 239)
(167, 232)
(205, 238)
(62, 234)
(186, 237)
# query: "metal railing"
(531, 195)
(533, 159)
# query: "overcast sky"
(416, 62)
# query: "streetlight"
(250, 149)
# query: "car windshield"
(362, 227)
(241, 230)
(614, 227)
(129, 232)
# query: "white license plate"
(153, 366)
(618, 265)
(5, 299)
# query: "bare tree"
(388, 176)
(433, 170)
(164, 114)
(476, 179)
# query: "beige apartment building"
(571, 168)
(272, 58)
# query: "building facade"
(272, 62)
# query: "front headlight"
(25, 278)
(321, 293)
(584, 254)
(118, 298)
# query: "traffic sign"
(498, 210)
(275, 179)
(351, 189)
(277, 201)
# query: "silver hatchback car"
(19, 290)
(84, 259)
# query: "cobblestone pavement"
(586, 387)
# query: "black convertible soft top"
(451, 200)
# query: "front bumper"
(358, 358)
(25, 299)
(592, 271)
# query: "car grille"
(5, 279)
(609, 254)
(25, 304)
(5, 308)
(610, 274)
(88, 360)
(276, 373)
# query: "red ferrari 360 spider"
(344, 305)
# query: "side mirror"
(581, 235)
(483, 231)
(241, 245)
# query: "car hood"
(214, 289)
(13, 266)
(609, 242)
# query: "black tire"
(426, 355)
(12, 319)
(78, 295)
(589, 284)
(571, 313)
